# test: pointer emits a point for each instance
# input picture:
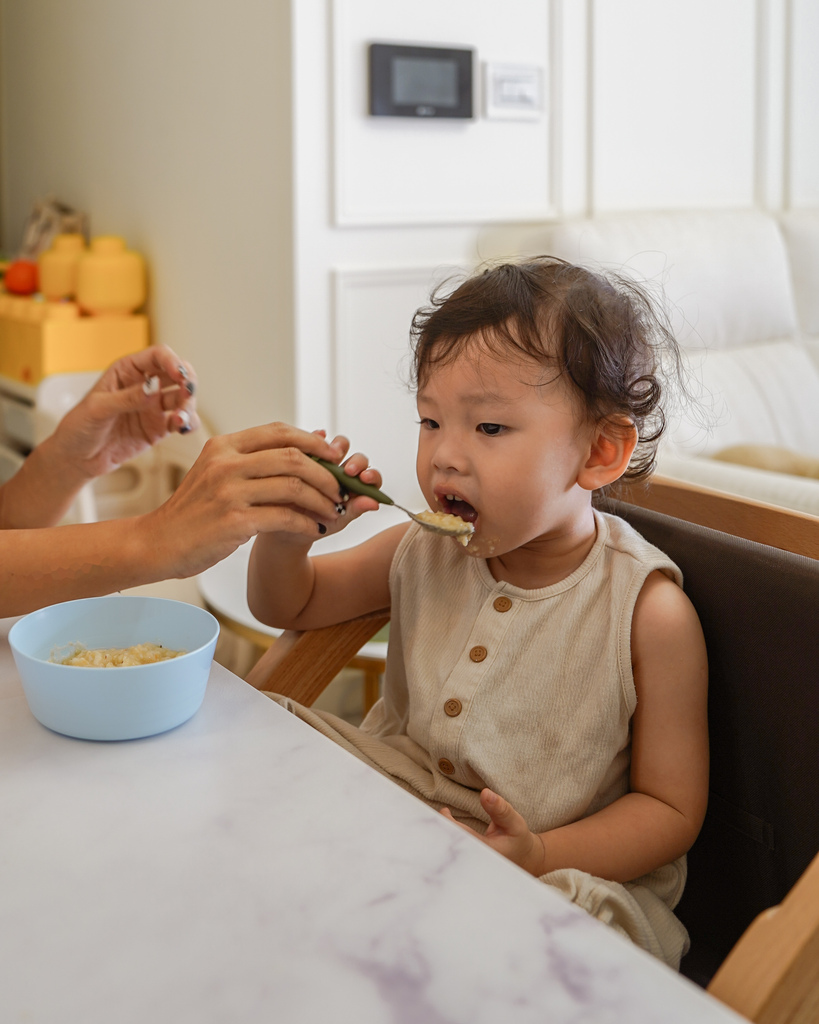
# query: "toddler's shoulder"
(666, 625)
(624, 544)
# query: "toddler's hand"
(508, 833)
(353, 505)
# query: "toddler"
(546, 684)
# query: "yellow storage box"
(40, 338)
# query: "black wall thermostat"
(420, 81)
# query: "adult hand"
(257, 480)
(129, 409)
(508, 833)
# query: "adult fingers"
(104, 405)
(283, 519)
(183, 421)
(161, 361)
(290, 492)
(288, 461)
(279, 476)
(173, 383)
(107, 405)
(270, 436)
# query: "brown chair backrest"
(759, 608)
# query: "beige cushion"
(770, 457)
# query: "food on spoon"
(114, 657)
(459, 528)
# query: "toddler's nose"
(448, 455)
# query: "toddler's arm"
(659, 819)
(289, 589)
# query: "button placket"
(465, 680)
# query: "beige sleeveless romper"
(529, 692)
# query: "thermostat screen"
(424, 81)
(420, 81)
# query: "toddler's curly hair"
(600, 332)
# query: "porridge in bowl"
(112, 657)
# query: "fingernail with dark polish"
(189, 387)
(184, 430)
(340, 509)
(322, 528)
(183, 371)
(343, 495)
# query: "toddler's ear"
(612, 445)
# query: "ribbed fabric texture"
(545, 715)
(529, 692)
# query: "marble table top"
(242, 868)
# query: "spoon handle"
(353, 484)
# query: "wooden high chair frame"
(762, 962)
(742, 517)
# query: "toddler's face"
(502, 447)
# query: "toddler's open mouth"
(454, 505)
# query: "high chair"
(743, 517)
(759, 608)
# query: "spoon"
(437, 522)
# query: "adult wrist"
(150, 548)
(67, 471)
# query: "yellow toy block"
(40, 338)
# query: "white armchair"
(741, 293)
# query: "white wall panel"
(804, 114)
(410, 171)
(773, 70)
(571, 105)
(674, 103)
(374, 405)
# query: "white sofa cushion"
(760, 394)
(725, 273)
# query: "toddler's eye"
(428, 423)
(490, 429)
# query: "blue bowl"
(115, 703)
